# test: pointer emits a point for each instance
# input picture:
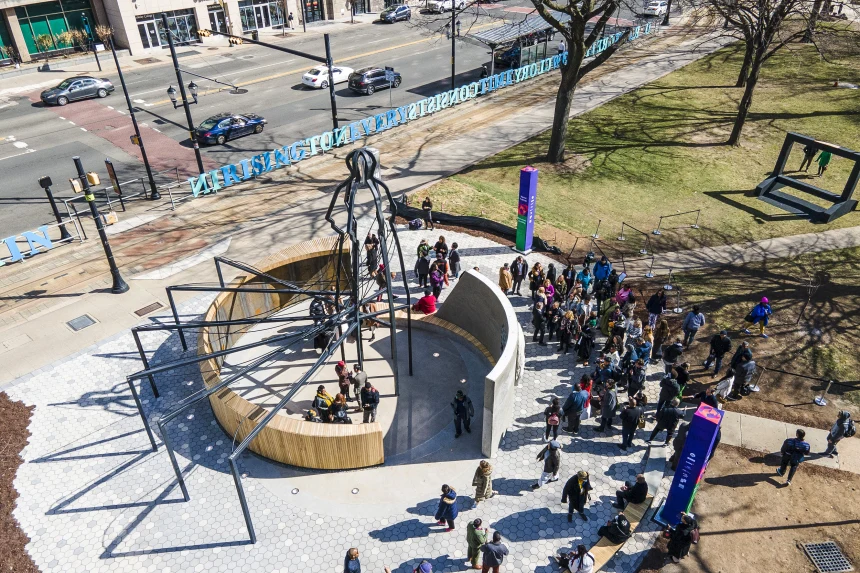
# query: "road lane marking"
(72, 122)
(83, 129)
(63, 118)
(29, 150)
(19, 144)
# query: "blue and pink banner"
(526, 208)
(694, 461)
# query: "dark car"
(509, 57)
(396, 13)
(368, 80)
(80, 87)
(219, 128)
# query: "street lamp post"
(191, 132)
(119, 285)
(453, 45)
(153, 190)
(45, 183)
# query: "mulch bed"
(14, 419)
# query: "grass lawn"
(823, 344)
(660, 150)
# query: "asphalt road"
(36, 141)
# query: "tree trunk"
(811, 23)
(668, 11)
(745, 67)
(746, 100)
(566, 89)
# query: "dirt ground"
(750, 521)
(14, 418)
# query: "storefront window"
(217, 19)
(181, 23)
(258, 14)
(52, 19)
(313, 10)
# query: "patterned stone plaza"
(94, 497)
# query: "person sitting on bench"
(616, 530)
(631, 492)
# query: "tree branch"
(603, 56)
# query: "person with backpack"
(842, 428)
(682, 536)
(322, 403)
(760, 314)
(552, 417)
(630, 417)
(616, 530)
(448, 510)
(519, 270)
(692, 323)
(463, 412)
(721, 344)
(369, 401)
(576, 494)
(454, 260)
(579, 561)
(793, 451)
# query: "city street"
(36, 140)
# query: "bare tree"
(578, 40)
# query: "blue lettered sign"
(526, 208)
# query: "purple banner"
(526, 208)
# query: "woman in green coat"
(823, 161)
(475, 537)
(483, 481)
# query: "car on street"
(79, 87)
(219, 128)
(656, 8)
(396, 13)
(444, 5)
(368, 80)
(317, 77)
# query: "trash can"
(255, 35)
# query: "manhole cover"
(148, 308)
(146, 61)
(81, 322)
(238, 91)
(827, 557)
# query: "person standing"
(437, 280)
(760, 314)
(669, 388)
(351, 563)
(584, 276)
(667, 419)
(551, 457)
(631, 492)
(608, 402)
(475, 538)
(809, 152)
(573, 407)
(661, 335)
(536, 278)
(721, 344)
(427, 207)
(629, 422)
(358, 378)
(483, 481)
(506, 279)
(342, 378)
(793, 450)
(553, 319)
(742, 351)
(743, 377)
(561, 47)
(519, 270)
(575, 494)
(692, 323)
(656, 306)
(422, 269)
(671, 354)
(539, 323)
(494, 553)
(371, 245)
(842, 428)
(448, 509)
(369, 401)
(823, 161)
(681, 537)
(290, 21)
(602, 268)
(566, 329)
(441, 247)
(552, 417)
(463, 412)
(454, 259)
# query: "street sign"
(389, 74)
(134, 140)
(113, 179)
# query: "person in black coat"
(629, 422)
(539, 322)
(519, 270)
(636, 378)
(681, 537)
(667, 419)
(617, 529)
(740, 352)
(631, 492)
(575, 494)
(422, 267)
(721, 344)
(669, 388)
(671, 354)
(656, 306)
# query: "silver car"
(79, 87)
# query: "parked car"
(656, 8)
(368, 80)
(79, 87)
(444, 5)
(219, 128)
(317, 77)
(396, 13)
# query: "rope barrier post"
(644, 249)
(650, 273)
(820, 400)
(621, 237)
(595, 235)
(668, 286)
(678, 309)
(696, 224)
(756, 387)
(659, 224)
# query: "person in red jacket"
(426, 304)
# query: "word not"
(33, 239)
(257, 165)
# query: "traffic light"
(204, 33)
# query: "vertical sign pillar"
(694, 460)
(526, 208)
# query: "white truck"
(441, 6)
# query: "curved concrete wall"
(284, 439)
(480, 308)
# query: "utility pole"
(119, 285)
(153, 190)
(329, 64)
(453, 45)
(191, 132)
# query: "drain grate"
(81, 322)
(148, 308)
(188, 53)
(145, 61)
(827, 557)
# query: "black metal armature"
(352, 294)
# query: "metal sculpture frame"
(347, 318)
